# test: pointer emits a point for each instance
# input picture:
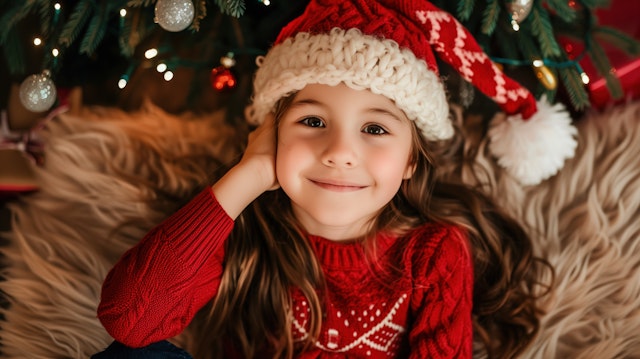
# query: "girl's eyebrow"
(374, 110)
(304, 101)
(382, 111)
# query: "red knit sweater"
(157, 287)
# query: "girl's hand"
(253, 175)
(260, 154)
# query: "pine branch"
(603, 66)
(490, 17)
(234, 8)
(200, 13)
(14, 53)
(465, 8)
(116, 5)
(76, 22)
(45, 12)
(530, 51)
(134, 29)
(619, 39)
(575, 88)
(592, 4)
(126, 28)
(13, 16)
(140, 3)
(505, 43)
(562, 9)
(95, 31)
(542, 29)
(526, 44)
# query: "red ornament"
(222, 78)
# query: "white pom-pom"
(535, 149)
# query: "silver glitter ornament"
(38, 92)
(174, 15)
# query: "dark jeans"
(159, 350)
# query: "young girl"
(334, 235)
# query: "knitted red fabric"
(423, 310)
(425, 29)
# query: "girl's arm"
(156, 288)
(442, 308)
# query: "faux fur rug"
(585, 222)
(110, 176)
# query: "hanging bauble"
(519, 10)
(546, 77)
(222, 78)
(174, 15)
(38, 92)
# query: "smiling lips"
(337, 186)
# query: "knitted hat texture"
(389, 47)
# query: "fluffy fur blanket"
(110, 176)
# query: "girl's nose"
(339, 152)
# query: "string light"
(37, 41)
(162, 67)
(151, 53)
(122, 83)
(515, 25)
(541, 68)
(57, 6)
(539, 62)
(55, 52)
(168, 76)
(123, 12)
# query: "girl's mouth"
(337, 186)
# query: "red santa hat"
(389, 48)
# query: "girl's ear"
(409, 170)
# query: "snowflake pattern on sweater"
(373, 329)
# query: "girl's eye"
(312, 122)
(374, 130)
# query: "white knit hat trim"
(361, 62)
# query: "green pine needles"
(86, 23)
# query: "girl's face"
(342, 155)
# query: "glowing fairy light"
(151, 53)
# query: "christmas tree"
(208, 47)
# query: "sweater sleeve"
(442, 301)
(155, 289)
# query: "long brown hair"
(267, 254)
